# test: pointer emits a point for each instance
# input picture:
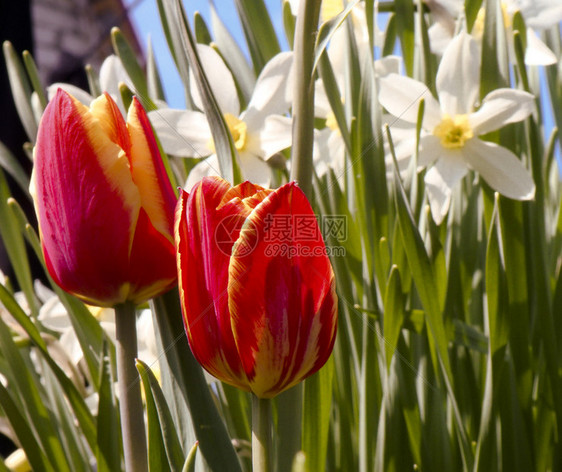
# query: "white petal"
(182, 132)
(208, 167)
(322, 106)
(500, 107)
(498, 166)
(273, 90)
(81, 95)
(540, 14)
(538, 53)
(220, 79)
(430, 150)
(275, 136)
(401, 97)
(388, 65)
(458, 77)
(111, 73)
(440, 35)
(255, 170)
(439, 182)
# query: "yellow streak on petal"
(145, 177)
(113, 162)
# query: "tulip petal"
(85, 197)
(202, 262)
(111, 120)
(152, 269)
(157, 195)
(282, 301)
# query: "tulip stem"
(130, 402)
(303, 94)
(261, 434)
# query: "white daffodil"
(258, 132)
(538, 14)
(329, 146)
(451, 126)
(112, 73)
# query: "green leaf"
(129, 59)
(424, 278)
(189, 465)
(163, 440)
(233, 56)
(289, 23)
(327, 30)
(33, 451)
(393, 313)
(9, 162)
(21, 90)
(33, 74)
(15, 245)
(153, 80)
(316, 416)
(202, 33)
(258, 31)
(214, 442)
(33, 401)
(109, 448)
(405, 28)
(72, 394)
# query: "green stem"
(261, 434)
(130, 402)
(289, 426)
(303, 99)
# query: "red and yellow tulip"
(260, 309)
(104, 202)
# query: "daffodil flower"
(258, 132)
(538, 14)
(451, 126)
(329, 150)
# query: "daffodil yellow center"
(238, 131)
(478, 27)
(330, 8)
(331, 122)
(454, 132)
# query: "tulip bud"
(258, 301)
(104, 202)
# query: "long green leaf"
(214, 442)
(21, 90)
(316, 416)
(109, 448)
(33, 451)
(162, 436)
(258, 31)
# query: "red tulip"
(104, 203)
(258, 298)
